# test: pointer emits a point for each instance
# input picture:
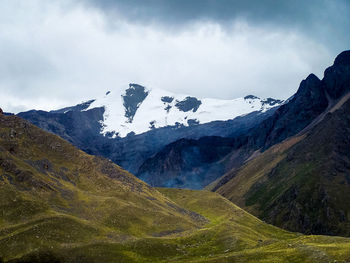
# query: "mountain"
(54, 194)
(174, 164)
(59, 204)
(86, 125)
(187, 163)
(302, 183)
(138, 110)
(203, 160)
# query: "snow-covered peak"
(139, 109)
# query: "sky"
(61, 52)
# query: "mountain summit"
(301, 183)
(138, 109)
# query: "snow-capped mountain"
(139, 109)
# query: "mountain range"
(131, 127)
(302, 182)
(138, 110)
(288, 165)
(209, 156)
(59, 204)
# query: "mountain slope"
(301, 184)
(54, 194)
(82, 128)
(187, 163)
(86, 125)
(287, 120)
(232, 235)
(59, 204)
(307, 107)
(138, 110)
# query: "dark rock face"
(337, 78)
(307, 104)
(189, 103)
(167, 99)
(343, 59)
(271, 101)
(289, 119)
(1, 112)
(186, 163)
(250, 97)
(82, 128)
(268, 101)
(133, 97)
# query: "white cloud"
(55, 54)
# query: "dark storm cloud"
(180, 11)
(327, 20)
(57, 53)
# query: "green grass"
(230, 235)
(58, 204)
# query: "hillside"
(93, 126)
(313, 99)
(54, 195)
(301, 184)
(61, 205)
(232, 235)
(185, 160)
(187, 163)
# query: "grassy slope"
(58, 204)
(301, 184)
(52, 196)
(253, 171)
(240, 237)
(232, 235)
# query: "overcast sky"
(59, 53)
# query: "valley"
(62, 205)
(174, 131)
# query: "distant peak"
(136, 86)
(343, 59)
(311, 83)
(312, 78)
(250, 97)
(271, 101)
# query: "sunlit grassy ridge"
(58, 204)
(53, 195)
(301, 184)
(232, 235)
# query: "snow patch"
(159, 109)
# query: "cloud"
(58, 53)
(328, 20)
